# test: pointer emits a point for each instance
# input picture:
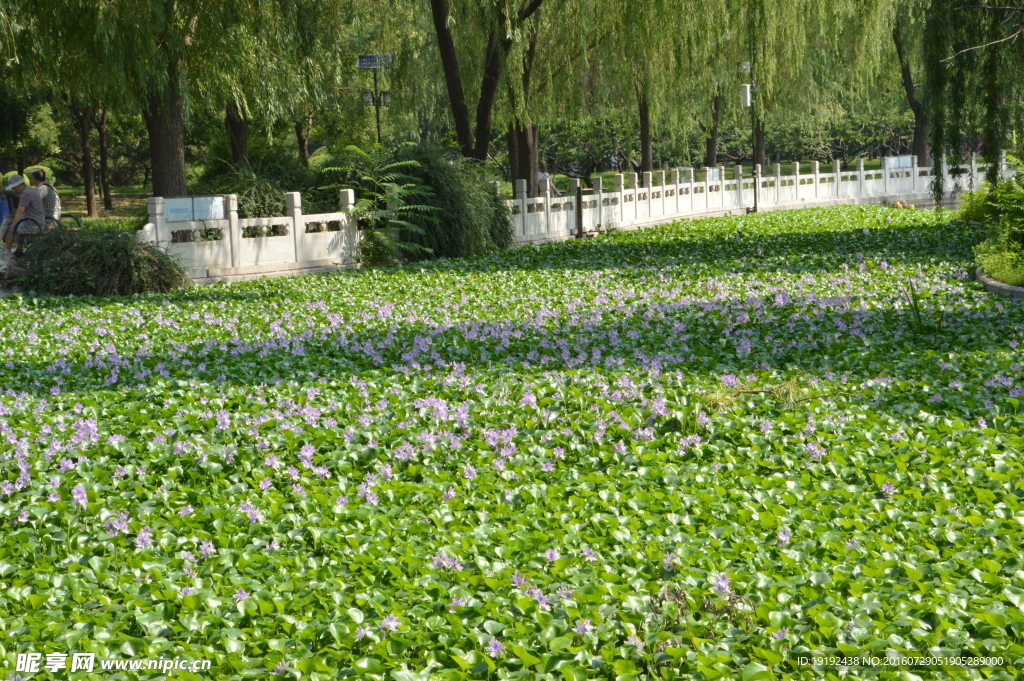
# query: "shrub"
(974, 206)
(388, 208)
(473, 220)
(990, 204)
(1001, 262)
(100, 261)
(1001, 255)
(119, 224)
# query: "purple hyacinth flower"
(495, 648)
(583, 627)
(80, 496)
(721, 585)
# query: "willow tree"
(319, 39)
(974, 70)
(643, 46)
(60, 48)
(465, 29)
(154, 54)
(548, 74)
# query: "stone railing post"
(576, 195)
(234, 231)
(353, 237)
(293, 210)
(914, 173)
(737, 172)
(816, 171)
(598, 188)
(659, 178)
(673, 180)
(346, 199)
(521, 198)
(885, 175)
(156, 217)
(860, 177)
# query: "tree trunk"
(523, 139)
(83, 119)
(496, 50)
(522, 154)
(513, 155)
(165, 122)
(919, 146)
(452, 77)
(238, 134)
(475, 143)
(711, 148)
(646, 143)
(302, 132)
(100, 121)
(21, 161)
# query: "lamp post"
(747, 99)
(375, 97)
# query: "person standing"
(544, 184)
(30, 208)
(51, 200)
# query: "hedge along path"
(557, 461)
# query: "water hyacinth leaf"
(363, 466)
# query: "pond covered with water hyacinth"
(694, 451)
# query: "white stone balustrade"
(232, 247)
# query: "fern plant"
(390, 203)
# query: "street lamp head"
(385, 98)
(745, 67)
(368, 97)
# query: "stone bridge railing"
(206, 234)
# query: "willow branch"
(978, 47)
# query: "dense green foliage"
(1001, 208)
(100, 260)
(697, 451)
(474, 220)
(974, 68)
(390, 202)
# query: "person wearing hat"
(30, 207)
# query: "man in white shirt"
(544, 184)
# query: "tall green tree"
(974, 73)
(491, 28)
